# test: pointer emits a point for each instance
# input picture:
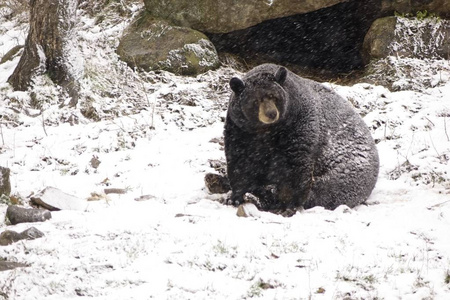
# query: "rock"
(379, 38)
(217, 184)
(8, 237)
(17, 214)
(229, 15)
(440, 7)
(31, 233)
(157, 45)
(407, 37)
(248, 210)
(94, 162)
(5, 184)
(54, 199)
(10, 265)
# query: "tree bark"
(49, 48)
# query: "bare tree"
(50, 48)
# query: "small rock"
(343, 209)
(217, 184)
(94, 162)
(248, 210)
(218, 165)
(31, 233)
(17, 214)
(9, 265)
(5, 184)
(8, 237)
(115, 191)
(54, 199)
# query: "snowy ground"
(155, 136)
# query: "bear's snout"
(268, 112)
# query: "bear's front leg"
(293, 189)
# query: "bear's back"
(346, 168)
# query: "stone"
(440, 7)
(379, 38)
(5, 184)
(248, 209)
(156, 45)
(10, 265)
(9, 237)
(407, 37)
(217, 184)
(31, 233)
(17, 214)
(229, 15)
(54, 199)
(94, 162)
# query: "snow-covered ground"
(154, 137)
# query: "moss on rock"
(157, 45)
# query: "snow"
(154, 139)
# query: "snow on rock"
(54, 199)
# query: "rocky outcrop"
(407, 37)
(229, 15)
(156, 45)
(315, 37)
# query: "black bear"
(292, 142)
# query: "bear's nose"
(271, 114)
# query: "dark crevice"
(327, 41)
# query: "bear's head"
(258, 100)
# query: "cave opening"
(327, 41)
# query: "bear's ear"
(237, 85)
(281, 74)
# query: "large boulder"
(229, 15)
(378, 40)
(156, 45)
(407, 37)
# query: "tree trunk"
(50, 48)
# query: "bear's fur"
(292, 142)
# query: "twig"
(429, 121)
(43, 124)
(437, 205)
(1, 133)
(445, 128)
